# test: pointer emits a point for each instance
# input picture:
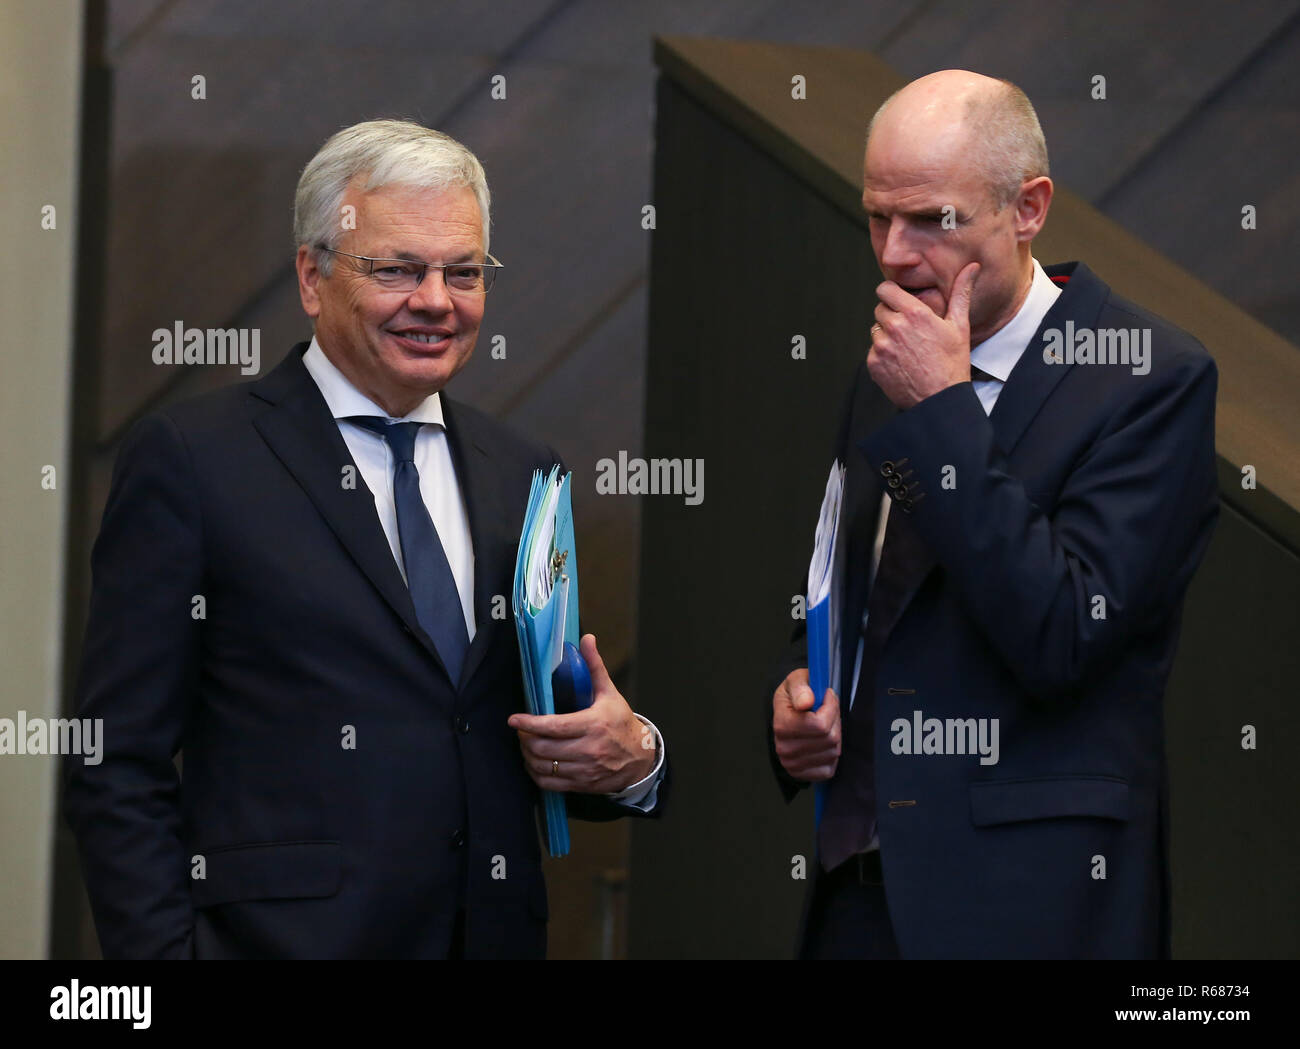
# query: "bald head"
(956, 172)
(956, 114)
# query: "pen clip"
(557, 564)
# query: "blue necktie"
(433, 587)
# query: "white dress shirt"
(996, 356)
(442, 497)
(374, 458)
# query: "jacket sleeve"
(138, 677)
(596, 808)
(1128, 527)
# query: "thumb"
(600, 680)
(963, 289)
(801, 696)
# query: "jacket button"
(458, 839)
(886, 468)
(462, 724)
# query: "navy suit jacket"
(1086, 481)
(306, 847)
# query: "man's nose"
(432, 295)
(898, 251)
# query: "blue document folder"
(545, 605)
(825, 587)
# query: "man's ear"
(1031, 207)
(309, 278)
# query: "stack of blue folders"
(825, 578)
(545, 604)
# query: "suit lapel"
(1032, 380)
(863, 489)
(304, 436)
(920, 571)
(489, 523)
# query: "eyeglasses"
(405, 275)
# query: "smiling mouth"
(423, 338)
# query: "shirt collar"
(998, 354)
(344, 399)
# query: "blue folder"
(823, 601)
(545, 605)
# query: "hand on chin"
(935, 299)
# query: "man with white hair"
(295, 584)
(1024, 506)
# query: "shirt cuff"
(644, 794)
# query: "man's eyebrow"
(407, 256)
(918, 213)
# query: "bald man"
(1030, 485)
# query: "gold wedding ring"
(555, 768)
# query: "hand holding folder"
(825, 574)
(545, 605)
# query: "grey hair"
(385, 152)
(1007, 143)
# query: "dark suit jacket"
(309, 849)
(1085, 480)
